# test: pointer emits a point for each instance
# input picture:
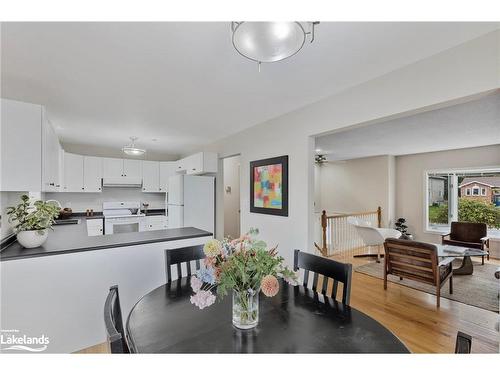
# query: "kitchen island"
(58, 290)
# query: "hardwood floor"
(412, 315)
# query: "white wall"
(465, 70)
(410, 191)
(232, 197)
(80, 202)
(359, 185)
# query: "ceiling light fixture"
(266, 42)
(132, 150)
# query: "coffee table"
(449, 251)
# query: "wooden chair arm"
(485, 241)
(444, 235)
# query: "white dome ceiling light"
(267, 42)
(132, 150)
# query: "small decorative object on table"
(246, 267)
(32, 221)
(403, 228)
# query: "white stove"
(123, 217)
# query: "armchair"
(472, 235)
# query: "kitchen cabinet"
(156, 222)
(150, 176)
(92, 174)
(73, 173)
(51, 157)
(200, 163)
(112, 168)
(21, 146)
(132, 168)
(95, 227)
(167, 169)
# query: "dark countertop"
(66, 239)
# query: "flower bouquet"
(244, 266)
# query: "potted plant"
(245, 267)
(32, 221)
(403, 228)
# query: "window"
(461, 195)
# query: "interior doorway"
(232, 196)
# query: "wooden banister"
(323, 249)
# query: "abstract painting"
(269, 186)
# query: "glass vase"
(245, 309)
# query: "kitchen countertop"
(73, 238)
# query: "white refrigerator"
(191, 202)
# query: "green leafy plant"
(469, 210)
(37, 216)
(477, 211)
(401, 226)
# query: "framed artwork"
(269, 186)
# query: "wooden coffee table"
(449, 251)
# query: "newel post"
(324, 224)
(379, 216)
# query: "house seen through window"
(472, 196)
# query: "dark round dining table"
(296, 320)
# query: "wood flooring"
(412, 315)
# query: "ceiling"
(472, 124)
(184, 85)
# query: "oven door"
(123, 225)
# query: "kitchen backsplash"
(80, 202)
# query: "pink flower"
(196, 284)
(203, 299)
(269, 285)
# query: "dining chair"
(328, 268)
(372, 236)
(175, 257)
(417, 261)
(114, 323)
(463, 344)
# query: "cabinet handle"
(51, 184)
(83, 188)
(194, 169)
(58, 185)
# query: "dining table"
(296, 320)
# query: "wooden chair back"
(328, 268)
(175, 257)
(114, 322)
(463, 344)
(412, 260)
(468, 232)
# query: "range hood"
(124, 182)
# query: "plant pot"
(245, 309)
(32, 238)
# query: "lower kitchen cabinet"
(156, 222)
(95, 227)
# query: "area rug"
(479, 289)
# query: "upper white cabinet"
(167, 169)
(150, 176)
(200, 163)
(92, 174)
(73, 173)
(51, 157)
(112, 168)
(21, 146)
(132, 168)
